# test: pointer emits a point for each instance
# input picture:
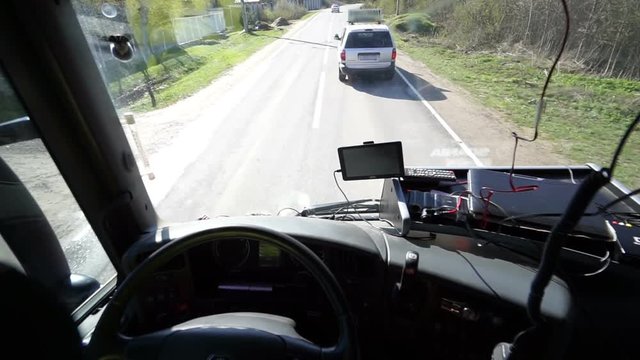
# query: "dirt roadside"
(484, 130)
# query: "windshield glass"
(237, 108)
(362, 39)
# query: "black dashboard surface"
(460, 260)
(461, 290)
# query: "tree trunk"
(144, 26)
(245, 21)
(615, 59)
(544, 33)
(147, 81)
(587, 29)
(613, 49)
(526, 33)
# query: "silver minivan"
(366, 49)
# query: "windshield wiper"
(363, 206)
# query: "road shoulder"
(484, 130)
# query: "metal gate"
(193, 28)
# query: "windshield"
(236, 108)
(368, 39)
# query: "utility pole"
(244, 17)
(397, 7)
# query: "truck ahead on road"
(364, 16)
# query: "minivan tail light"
(393, 54)
(343, 55)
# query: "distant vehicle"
(335, 8)
(366, 49)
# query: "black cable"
(555, 240)
(565, 38)
(606, 258)
(585, 193)
(622, 142)
(345, 195)
(475, 235)
(583, 196)
(288, 208)
(490, 203)
(354, 208)
(346, 217)
(479, 275)
(534, 215)
(333, 216)
(540, 108)
(352, 205)
(621, 198)
(347, 199)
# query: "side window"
(41, 225)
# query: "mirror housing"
(336, 37)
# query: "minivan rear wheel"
(342, 77)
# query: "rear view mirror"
(336, 37)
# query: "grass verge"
(197, 67)
(585, 115)
(308, 15)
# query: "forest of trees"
(603, 40)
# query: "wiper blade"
(343, 207)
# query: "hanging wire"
(541, 102)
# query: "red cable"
(491, 192)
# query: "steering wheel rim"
(106, 340)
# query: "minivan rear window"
(369, 39)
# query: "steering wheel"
(203, 339)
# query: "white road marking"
(318, 108)
(444, 124)
(324, 58)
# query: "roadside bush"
(414, 23)
(478, 23)
(368, 5)
(286, 10)
(388, 6)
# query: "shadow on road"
(296, 40)
(397, 88)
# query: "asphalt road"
(270, 140)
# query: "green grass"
(585, 115)
(194, 68)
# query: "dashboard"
(447, 301)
